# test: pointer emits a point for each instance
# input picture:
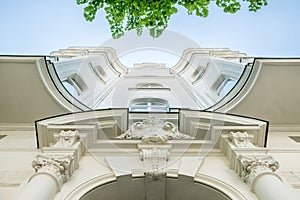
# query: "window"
(225, 87)
(99, 71)
(74, 85)
(149, 105)
(198, 73)
(70, 88)
(149, 85)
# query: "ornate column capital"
(58, 168)
(252, 167)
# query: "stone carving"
(240, 139)
(66, 138)
(155, 163)
(154, 130)
(251, 167)
(60, 168)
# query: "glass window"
(149, 105)
(149, 85)
(70, 88)
(74, 85)
(226, 86)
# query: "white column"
(258, 173)
(41, 186)
(50, 174)
(269, 186)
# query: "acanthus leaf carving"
(251, 167)
(154, 130)
(60, 168)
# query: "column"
(53, 167)
(50, 174)
(258, 173)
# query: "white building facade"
(218, 125)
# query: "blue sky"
(37, 27)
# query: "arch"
(201, 187)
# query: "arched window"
(74, 85)
(149, 85)
(70, 87)
(99, 71)
(149, 105)
(226, 86)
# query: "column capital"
(251, 167)
(58, 168)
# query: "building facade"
(218, 125)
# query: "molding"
(240, 139)
(223, 187)
(155, 161)
(85, 187)
(17, 127)
(87, 123)
(154, 130)
(284, 128)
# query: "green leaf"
(154, 15)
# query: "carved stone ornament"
(154, 130)
(155, 163)
(251, 167)
(66, 138)
(240, 139)
(60, 168)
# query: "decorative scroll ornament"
(155, 163)
(240, 139)
(59, 168)
(154, 130)
(66, 138)
(251, 167)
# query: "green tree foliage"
(154, 15)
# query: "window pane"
(229, 84)
(71, 89)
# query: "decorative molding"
(155, 163)
(240, 139)
(89, 124)
(154, 130)
(17, 127)
(59, 168)
(66, 138)
(252, 167)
